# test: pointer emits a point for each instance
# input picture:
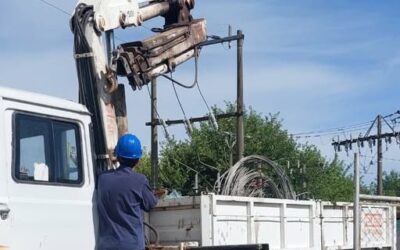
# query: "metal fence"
(376, 222)
(371, 216)
(375, 225)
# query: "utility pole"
(356, 205)
(239, 38)
(154, 135)
(371, 139)
(240, 126)
(379, 187)
(155, 122)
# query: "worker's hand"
(160, 193)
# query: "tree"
(144, 165)
(391, 183)
(209, 151)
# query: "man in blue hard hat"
(122, 196)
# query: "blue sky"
(321, 64)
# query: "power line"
(187, 123)
(384, 158)
(332, 133)
(55, 7)
(392, 114)
(162, 123)
(372, 140)
(179, 101)
(329, 130)
(339, 131)
(68, 14)
(210, 112)
(204, 99)
(343, 128)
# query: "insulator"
(213, 121)
(358, 143)
(189, 128)
(164, 125)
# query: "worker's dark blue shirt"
(122, 196)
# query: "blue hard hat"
(128, 147)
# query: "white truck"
(215, 220)
(47, 180)
(47, 185)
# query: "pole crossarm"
(218, 40)
(372, 139)
(194, 119)
(367, 138)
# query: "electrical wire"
(55, 7)
(178, 83)
(342, 128)
(194, 170)
(392, 114)
(165, 130)
(211, 113)
(330, 130)
(239, 179)
(155, 108)
(179, 101)
(204, 99)
(384, 158)
(332, 133)
(156, 234)
(187, 123)
(68, 14)
(195, 82)
(373, 158)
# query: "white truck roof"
(41, 100)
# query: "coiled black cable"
(155, 232)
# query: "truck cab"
(47, 180)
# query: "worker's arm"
(149, 200)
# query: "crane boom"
(139, 61)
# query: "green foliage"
(144, 165)
(391, 183)
(209, 151)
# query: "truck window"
(46, 150)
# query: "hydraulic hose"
(154, 230)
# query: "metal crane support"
(139, 61)
(143, 60)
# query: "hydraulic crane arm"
(139, 61)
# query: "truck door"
(50, 186)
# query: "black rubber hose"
(154, 230)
